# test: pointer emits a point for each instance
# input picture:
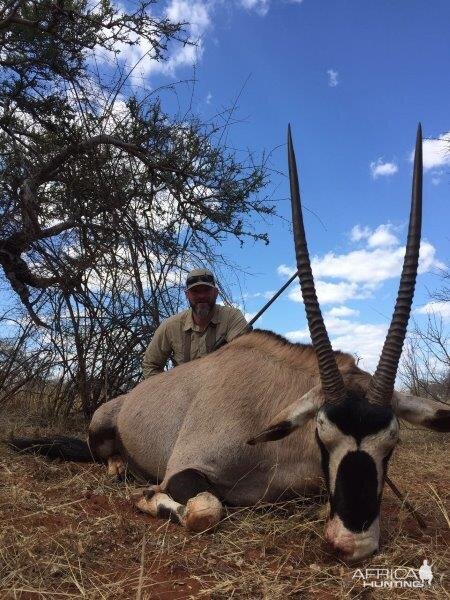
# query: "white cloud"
(382, 169)
(298, 335)
(382, 236)
(285, 270)
(342, 311)
(197, 15)
(360, 272)
(208, 98)
(372, 265)
(441, 309)
(261, 7)
(140, 57)
(362, 340)
(436, 152)
(332, 77)
(359, 233)
(427, 260)
(330, 293)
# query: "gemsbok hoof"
(203, 512)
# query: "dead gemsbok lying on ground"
(199, 431)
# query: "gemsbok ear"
(422, 411)
(293, 416)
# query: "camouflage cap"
(200, 277)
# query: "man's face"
(202, 299)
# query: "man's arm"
(157, 353)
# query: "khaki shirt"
(168, 339)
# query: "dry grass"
(69, 532)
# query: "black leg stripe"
(166, 512)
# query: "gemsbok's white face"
(356, 440)
(356, 428)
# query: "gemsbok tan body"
(264, 419)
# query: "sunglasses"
(200, 279)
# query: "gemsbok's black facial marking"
(324, 460)
(355, 498)
(357, 417)
(355, 429)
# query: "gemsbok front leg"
(187, 499)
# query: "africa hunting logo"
(397, 577)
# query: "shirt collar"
(189, 321)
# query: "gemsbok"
(265, 419)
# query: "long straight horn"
(382, 384)
(332, 382)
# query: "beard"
(202, 309)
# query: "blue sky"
(354, 79)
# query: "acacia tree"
(105, 198)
